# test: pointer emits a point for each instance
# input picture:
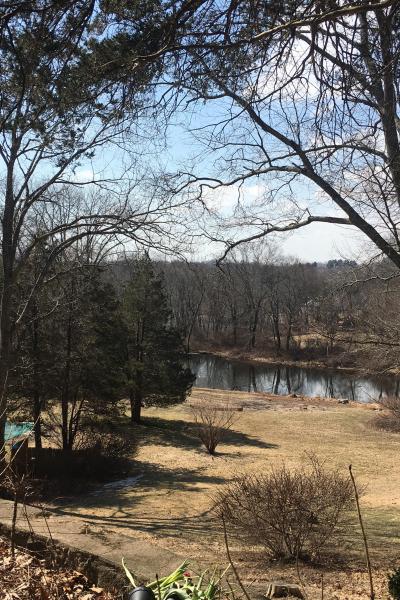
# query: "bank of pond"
(221, 373)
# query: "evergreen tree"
(90, 362)
(155, 356)
(32, 377)
(71, 352)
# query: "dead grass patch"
(171, 505)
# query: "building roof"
(16, 432)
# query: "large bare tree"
(300, 101)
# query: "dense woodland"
(337, 313)
(85, 344)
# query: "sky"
(321, 242)
(318, 242)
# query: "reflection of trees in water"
(329, 388)
(276, 380)
(297, 379)
(212, 372)
(288, 382)
(217, 372)
(252, 379)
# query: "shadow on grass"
(203, 525)
(158, 480)
(180, 433)
(119, 503)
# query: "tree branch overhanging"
(280, 229)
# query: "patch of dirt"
(245, 401)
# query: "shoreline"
(240, 398)
(245, 357)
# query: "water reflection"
(220, 373)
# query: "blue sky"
(317, 242)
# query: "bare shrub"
(392, 404)
(214, 422)
(390, 420)
(291, 513)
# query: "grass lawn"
(170, 504)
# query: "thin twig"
(299, 577)
(14, 522)
(360, 520)
(158, 587)
(228, 554)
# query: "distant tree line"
(256, 301)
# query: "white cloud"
(83, 176)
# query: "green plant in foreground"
(394, 584)
(181, 585)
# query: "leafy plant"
(394, 584)
(182, 585)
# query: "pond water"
(220, 373)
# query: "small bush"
(391, 404)
(291, 513)
(390, 420)
(394, 584)
(214, 422)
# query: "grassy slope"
(170, 505)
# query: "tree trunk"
(254, 326)
(37, 409)
(136, 406)
(277, 335)
(37, 402)
(235, 331)
(65, 396)
(288, 337)
(277, 380)
(6, 319)
(5, 360)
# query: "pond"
(221, 373)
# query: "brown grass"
(171, 504)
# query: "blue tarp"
(17, 430)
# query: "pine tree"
(91, 353)
(71, 352)
(155, 356)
